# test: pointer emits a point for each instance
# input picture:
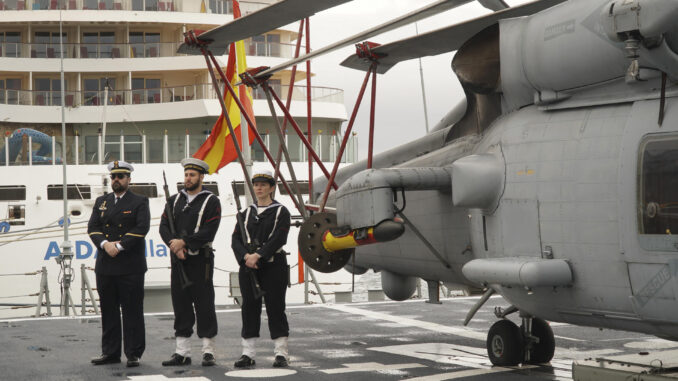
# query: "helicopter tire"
(541, 352)
(505, 343)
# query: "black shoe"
(244, 362)
(280, 362)
(208, 359)
(177, 359)
(132, 361)
(105, 359)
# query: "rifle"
(251, 247)
(183, 278)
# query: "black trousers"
(200, 295)
(273, 280)
(126, 291)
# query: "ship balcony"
(129, 50)
(210, 6)
(202, 91)
(31, 147)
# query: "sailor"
(197, 213)
(118, 227)
(267, 223)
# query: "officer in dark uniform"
(197, 213)
(267, 223)
(118, 227)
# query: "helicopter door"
(653, 282)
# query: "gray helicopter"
(555, 184)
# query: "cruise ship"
(128, 96)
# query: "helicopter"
(553, 184)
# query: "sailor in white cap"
(118, 227)
(267, 223)
(197, 213)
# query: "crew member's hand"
(251, 260)
(111, 249)
(177, 246)
(181, 254)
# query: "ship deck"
(359, 341)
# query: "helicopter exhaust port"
(327, 248)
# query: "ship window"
(144, 189)
(12, 192)
(16, 214)
(221, 6)
(97, 45)
(47, 92)
(209, 185)
(11, 44)
(9, 90)
(94, 91)
(145, 90)
(658, 193)
(144, 44)
(74, 192)
(46, 45)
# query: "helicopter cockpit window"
(658, 194)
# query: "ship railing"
(42, 294)
(180, 93)
(154, 147)
(127, 50)
(210, 6)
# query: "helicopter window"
(658, 193)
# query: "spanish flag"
(218, 149)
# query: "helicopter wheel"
(505, 343)
(542, 351)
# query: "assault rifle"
(251, 246)
(183, 278)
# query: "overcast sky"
(399, 106)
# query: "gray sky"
(399, 106)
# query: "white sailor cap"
(120, 166)
(263, 175)
(195, 164)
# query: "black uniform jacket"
(260, 227)
(127, 221)
(186, 218)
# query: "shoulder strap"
(247, 218)
(202, 210)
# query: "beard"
(118, 187)
(191, 186)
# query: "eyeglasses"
(118, 176)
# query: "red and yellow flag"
(218, 150)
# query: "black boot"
(280, 362)
(244, 362)
(177, 359)
(105, 359)
(208, 359)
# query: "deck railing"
(131, 50)
(211, 6)
(152, 95)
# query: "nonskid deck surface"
(359, 341)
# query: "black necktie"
(117, 199)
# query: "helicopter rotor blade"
(271, 17)
(443, 40)
(495, 5)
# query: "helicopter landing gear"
(539, 340)
(510, 345)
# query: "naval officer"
(197, 213)
(118, 227)
(267, 223)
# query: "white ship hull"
(27, 248)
